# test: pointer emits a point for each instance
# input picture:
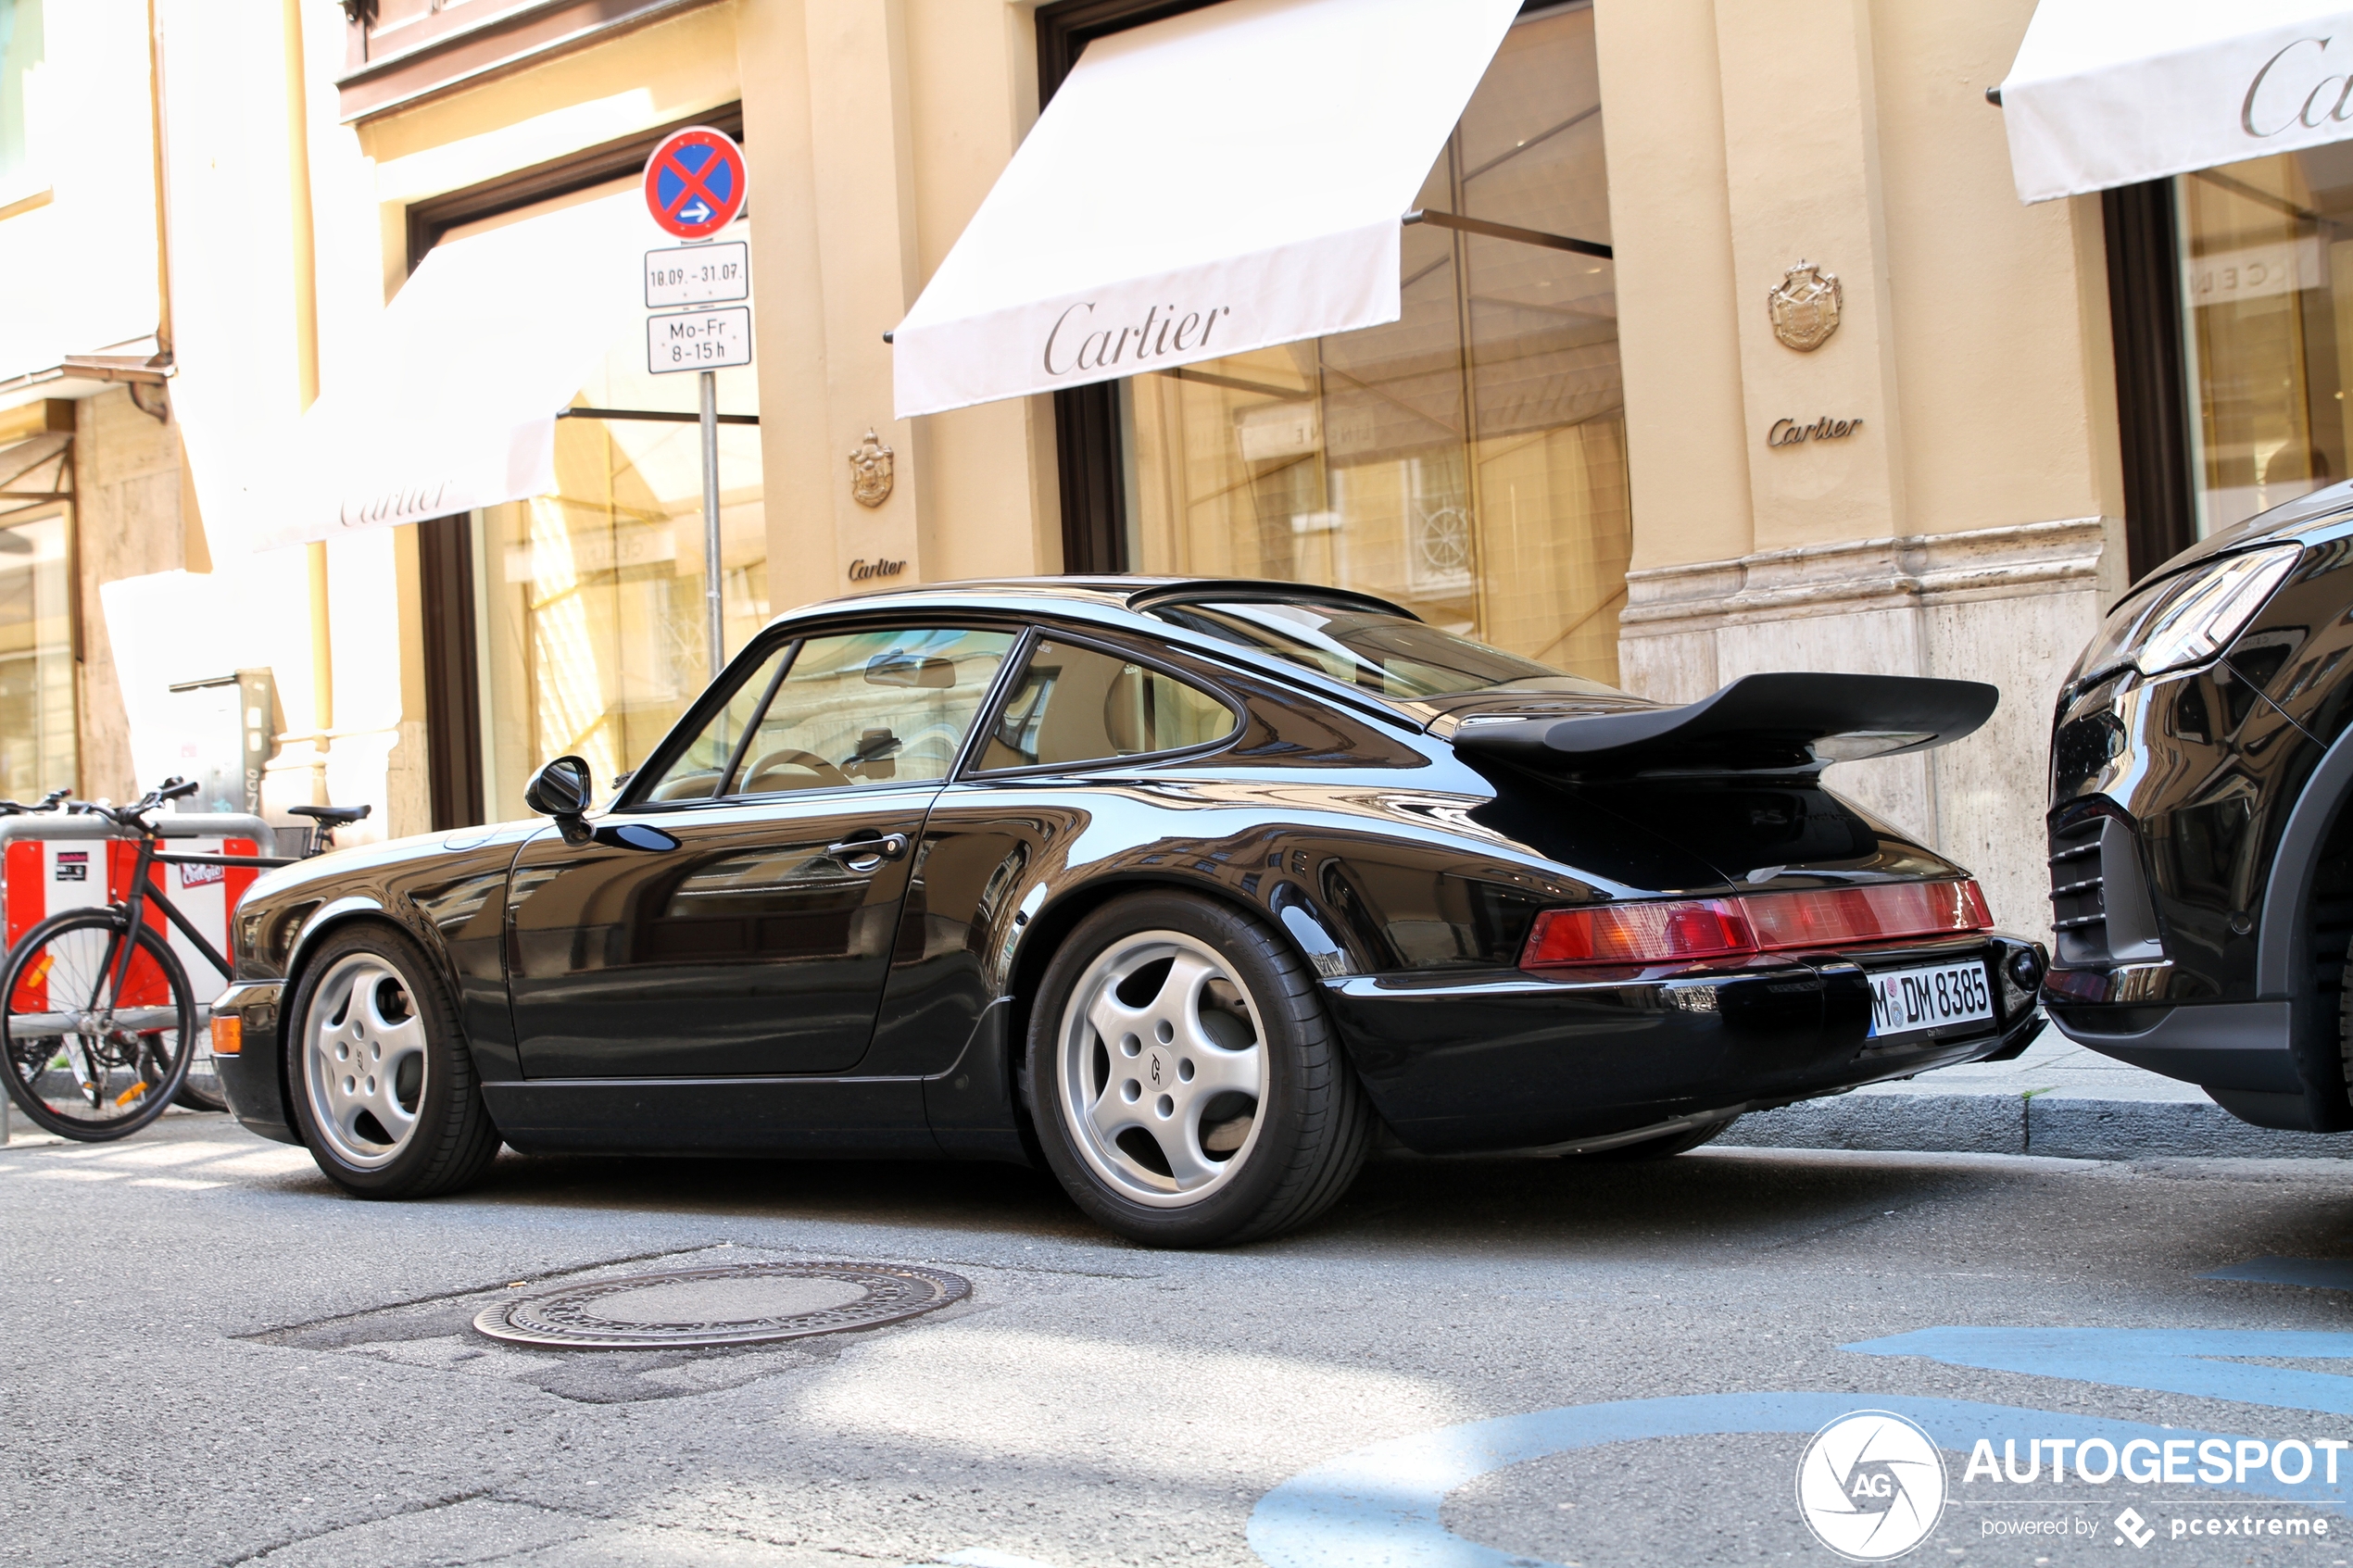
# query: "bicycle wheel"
(94, 1050)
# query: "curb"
(2055, 1124)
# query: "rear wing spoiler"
(1760, 723)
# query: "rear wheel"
(95, 1048)
(1185, 1082)
(384, 1086)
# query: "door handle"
(865, 854)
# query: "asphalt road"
(213, 1357)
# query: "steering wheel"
(791, 757)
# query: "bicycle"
(99, 1028)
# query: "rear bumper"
(251, 1079)
(1490, 1060)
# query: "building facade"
(1813, 391)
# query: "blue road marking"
(1380, 1507)
(2318, 1273)
(2163, 1361)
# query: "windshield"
(1388, 655)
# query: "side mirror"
(563, 789)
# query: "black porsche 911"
(1191, 890)
(2201, 851)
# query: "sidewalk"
(2056, 1099)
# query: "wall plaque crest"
(871, 472)
(1805, 306)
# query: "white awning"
(1222, 181)
(451, 403)
(2110, 93)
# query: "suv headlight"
(2188, 619)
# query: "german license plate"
(1905, 1001)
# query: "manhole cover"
(741, 1304)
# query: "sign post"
(695, 188)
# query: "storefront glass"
(2267, 295)
(1469, 460)
(592, 634)
(37, 749)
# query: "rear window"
(1391, 655)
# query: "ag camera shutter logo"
(1871, 1486)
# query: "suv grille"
(2100, 908)
(2079, 891)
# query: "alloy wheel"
(1163, 1067)
(364, 1060)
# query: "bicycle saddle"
(333, 815)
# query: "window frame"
(691, 723)
(447, 51)
(977, 742)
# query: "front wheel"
(384, 1091)
(1184, 1080)
(96, 1041)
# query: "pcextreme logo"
(1870, 1485)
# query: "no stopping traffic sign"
(694, 181)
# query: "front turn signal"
(228, 1035)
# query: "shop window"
(20, 56)
(591, 598)
(1469, 460)
(37, 741)
(2265, 253)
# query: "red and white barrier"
(42, 875)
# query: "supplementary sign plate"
(699, 340)
(703, 274)
(1906, 1000)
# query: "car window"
(1389, 655)
(870, 708)
(700, 771)
(1074, 705)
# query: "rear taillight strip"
(1684, 930)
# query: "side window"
(1074, 705)
(870, 708)
(698, 774)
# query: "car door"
(734, 915)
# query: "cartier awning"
(450, 400)
(1221, 180)
(2105, 92)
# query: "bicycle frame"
(143, 888)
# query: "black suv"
(2201, 854)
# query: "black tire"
(414, 1127)
(1249, 1028)
(1664, 1147)
(94, 1086)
